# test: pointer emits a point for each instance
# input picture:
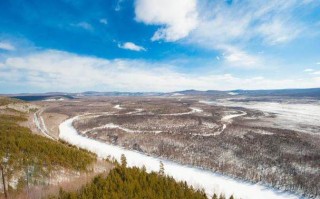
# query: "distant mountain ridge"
(308, 92)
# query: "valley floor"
(234, 140)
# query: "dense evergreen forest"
(20, 147)
(135, 183)
(21, 151)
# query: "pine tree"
(144, 169)
(231, 197)
(214, 196)
(222, 196)
(123, 160)
(161, 170)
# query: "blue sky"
(158, 45)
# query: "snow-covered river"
(197, 177)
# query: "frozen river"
(197, 177)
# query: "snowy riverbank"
(196, 177)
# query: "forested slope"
(25, 156)
(135, 183)
(20, 147)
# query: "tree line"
(135, 183)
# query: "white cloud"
(237, 25)
(118, 5)
(312, 71)
(83, 25)
(316, 72)
(238, 58)
(177, 18)
(223, 24)
(7, 46)
(308, 70)
(212, 24)
(103, 21)
(278, 31)
(131, 46)
(57, 70)
(318, 63)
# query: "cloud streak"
(131, 46)
(103, 21)
(7, 46)
(58, 70)
(84, 25)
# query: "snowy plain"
(304, 117)
(200, 178)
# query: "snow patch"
(196, 110)
(138, 110)
(53, 100)
(193, 110)
(177, 94)
(115, 126)
(118, 107)
(304, 117)
(229, 117)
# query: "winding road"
(40, 124)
